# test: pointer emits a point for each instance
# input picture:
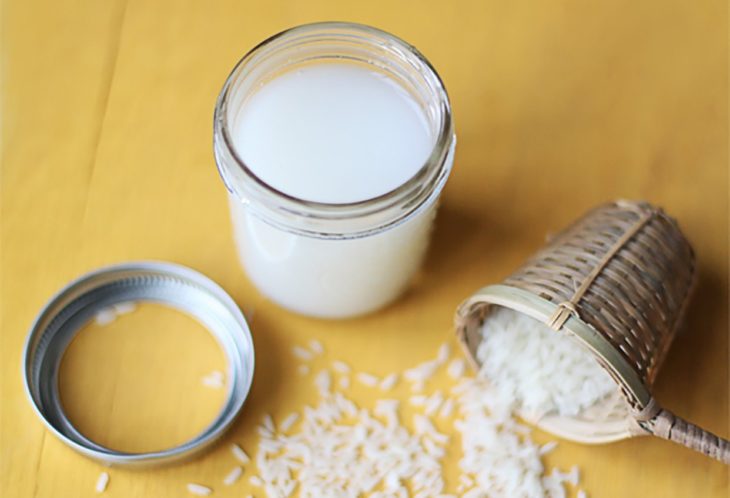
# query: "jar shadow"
(268, 376)
(468, 250)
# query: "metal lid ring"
(165, 283)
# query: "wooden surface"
(107, 111)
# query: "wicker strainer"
(618, 280)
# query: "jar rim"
(432, 174)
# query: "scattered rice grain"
(456, 368)
(573, 477)
(125, 307)
(240, 455)
(389, 382)
(301, 353)
(418, 400)
(447, 408)
(421, 373)
(102, 482)
(288, 422)
(433, 403)
(214, 380)
(268, 422)
(341, 367)
(105, 316)
(199, 489)
(367, 379)
(323, 381)
(212, 383)
(233, 476)
(443, 353)
(548, 447)
(316, 347)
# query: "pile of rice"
(537, 370)
(339, 449)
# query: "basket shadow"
(698, 353)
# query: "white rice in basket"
(538, 370)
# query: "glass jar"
(324, 259)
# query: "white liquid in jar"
(332, 133)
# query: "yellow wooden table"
(107, 111)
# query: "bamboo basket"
(618, 280)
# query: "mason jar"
(333, 259)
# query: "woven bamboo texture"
(626, 271)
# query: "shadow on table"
(268, 377)
(468, 250)
(698, 353)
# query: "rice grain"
(125, 307)
(456, 368)
(199, 489)
(323, 381)
(367, 379)
(102, 482)
(389, 382)
(443, 353)
(316, 347)
(548, 447)
(301, 353)
(268, 422)
(233, 476)
(341, 367)
(447, 408)
(288, 422)
(240, 455)
(214, 380)
(105, 316)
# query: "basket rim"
(542, 310)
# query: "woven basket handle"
(667, 425)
